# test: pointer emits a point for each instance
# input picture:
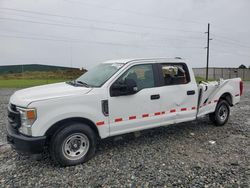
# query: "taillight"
(241, 87)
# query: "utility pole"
(22, 71)
(208, 39)
(70, 48)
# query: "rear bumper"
(25, 144)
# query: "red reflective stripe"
(132, 117)
(237, 95)
(173, 110)
(145, 115)
(241, 88)
(163, 112)
(193, 108)
(157, 113)
(100, 123)
(215, 100)
(118, 119)
(183, 109)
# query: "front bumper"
(25, 144)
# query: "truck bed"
(211, 92)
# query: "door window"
(174, 74)
(142, 74)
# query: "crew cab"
(113, 98)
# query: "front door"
(128, 113)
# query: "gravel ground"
(193, 154)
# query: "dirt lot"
(194, 154)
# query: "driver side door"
(132, 112)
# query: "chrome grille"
(14, 116)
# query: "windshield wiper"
(71, 82)
(77, 83)
(81, 83)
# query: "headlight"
(28, 117)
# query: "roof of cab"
(151, 60)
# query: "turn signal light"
(31, 114)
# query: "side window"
(142, 74)
(175, 74)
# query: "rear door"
(178, 94)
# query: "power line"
(228, 44)
(82, 27)
(216, 50)
(67, 25)
(29, 33)
(94, 20)
(231, 43)
(95, 28)
(136, 13)
(33, 17)
(94, 42)
(218, 27)
(228, 38)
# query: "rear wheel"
(74, 144)
(221, 114)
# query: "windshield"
(98, 75)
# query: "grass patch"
(29, 79)
(49, 75)
(24, 83)
(36, 78)
(199, 79)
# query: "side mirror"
(128, 87)
(131, 86)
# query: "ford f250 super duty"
(115, 97)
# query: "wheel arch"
(63, 123)
(228, 97)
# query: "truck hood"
(26, 96)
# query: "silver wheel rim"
(223, 113)
(75, 146)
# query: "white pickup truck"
(115, 97)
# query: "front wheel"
(74, 144)
(221, 114)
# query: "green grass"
(199, 79)
(36, 78)
(30, 79)
(24, 83)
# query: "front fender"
(55, 110)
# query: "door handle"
(154, 97)
(191, 92)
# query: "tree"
(242, 66)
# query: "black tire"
(221, 114)
(77, 132)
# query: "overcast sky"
(82, 33)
